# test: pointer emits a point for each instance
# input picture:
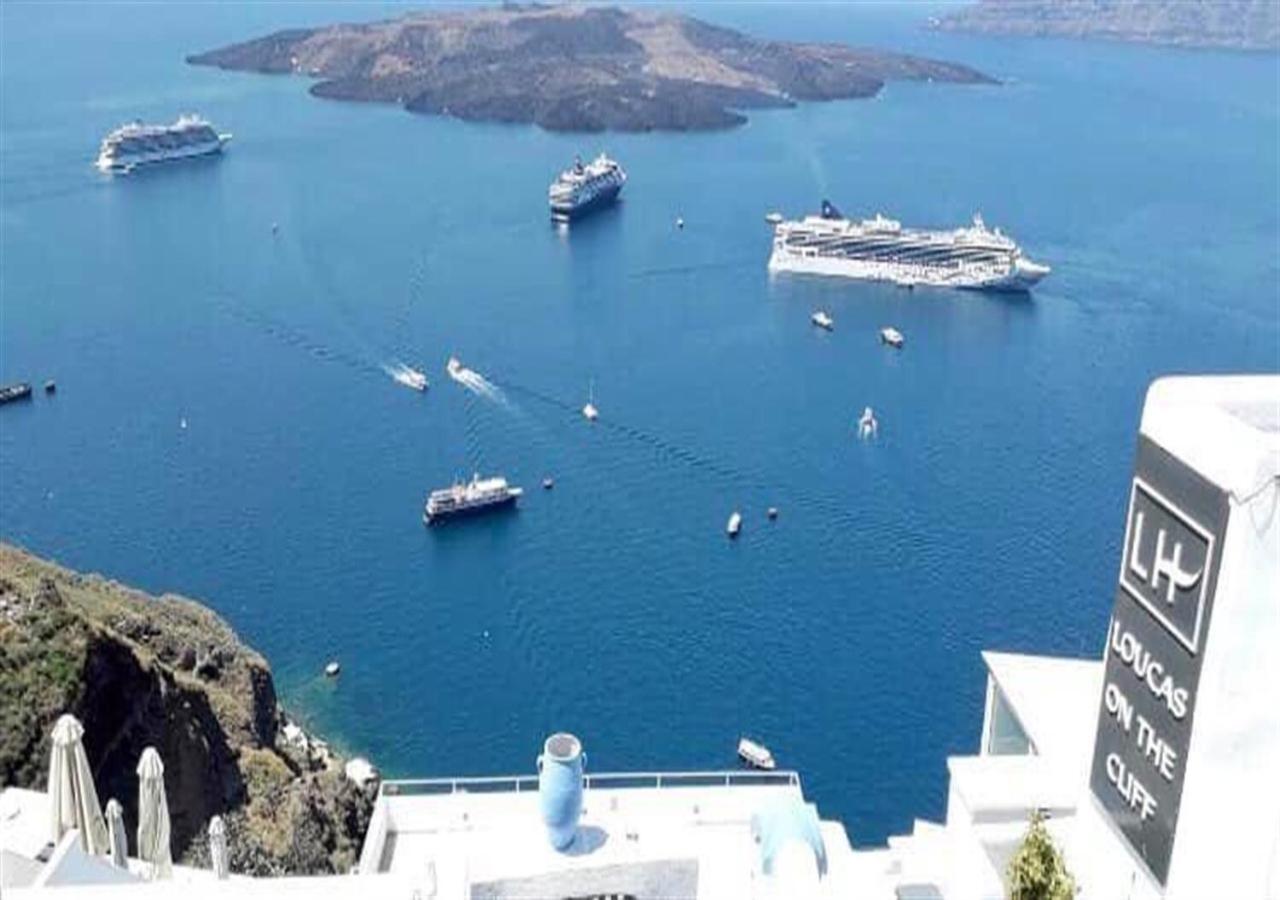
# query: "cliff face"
(1227, 24)
(573, 67)
(166, 672)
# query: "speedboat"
(892, 336)
(411, 377)
(868, 427)
(774, 218)
(823, 320)
(735, 524)
(332, 669)
(589, 411)
(755, 755)
(453, 367)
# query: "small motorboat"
(755, 755)
(411, 377)
(892, 336)
(332, 669)
(679, 223)
(774, 218)
(868, 427)
(50, 387)
(548, 483)
(453, 367)
(772, 512)
(589, 411)
(823, 320)
(735, 524)
(275, 227)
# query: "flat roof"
(1055, 700)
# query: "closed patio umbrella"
(116, 835)
(73, 801)
(218, 847)
(153, 815)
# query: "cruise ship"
(478, 495)
(583, 188)
(880, 249)
(137, 144)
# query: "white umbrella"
(153, 815)
(73, 800)
(116, 835)
(218, 847)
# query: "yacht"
(583, 188)
(477, 495)
(136, 144)
(892, 336)
(880, 249)
(755, 755)
(868, 427)
(823, 320)
(735, 524)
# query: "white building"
(1158, 766)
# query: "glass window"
(1006, 737)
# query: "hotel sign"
(1155, 646)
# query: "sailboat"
(589, 412)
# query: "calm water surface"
(847, 634)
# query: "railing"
(604, 781)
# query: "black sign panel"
(1155, 644)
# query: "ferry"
(136, 144)
(755, 755)
(880, 249)
(477, 495)
(823, 320)
(892, 336)
(583, 188)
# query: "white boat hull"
(126, 164)
(1021, 276)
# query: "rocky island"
(1226, 24)
(167, 672)
(574, 68)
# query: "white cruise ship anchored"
(582, 188)
(136, 144)
(880, 249)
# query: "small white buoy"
(332, 669)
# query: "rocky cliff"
(167, 672)
(574, 67)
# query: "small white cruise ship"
(880, 249)
(477, 495)
(583, 188)
(136, 144)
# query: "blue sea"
(845, 635)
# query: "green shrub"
(1037, 870)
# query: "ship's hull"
(122, 165)
(564, 212)
(1020, 276)
(472, 509)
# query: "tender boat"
(679, 223)
(868, 427)
(774, 218)
(411, 377)
(773, 512)
(548, 483)
(823, 320)
(50, 387)
(755, 755)
(332, 669)
(453, 367)
(735, 524)
(892, 336)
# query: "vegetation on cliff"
(166, 672)
(574, 67)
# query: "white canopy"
(73, 801)
(115, 832)
(153, 816)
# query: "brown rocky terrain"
(1227, 24)
(574, 67)
(167, 672)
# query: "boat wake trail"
(405, 375)
(476, 383)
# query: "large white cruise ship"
(583, 188)
(880, 249)
(136, 144)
